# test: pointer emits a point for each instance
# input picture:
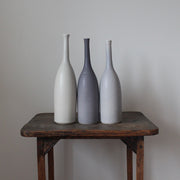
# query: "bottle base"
(84, 123)
(61, 123)
(109, 123)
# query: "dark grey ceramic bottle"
(88, 92)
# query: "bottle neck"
(66, 48)
(87, 61)
(109, 64)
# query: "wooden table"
(131, 131)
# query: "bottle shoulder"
(65, 68)
(88, 79)
(110, 74)
(87, 73)
(65, 72)
(110, 79)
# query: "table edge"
(91, 134)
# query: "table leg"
(51, 164)
(41, 160)
(140, 158)
(45, 145)
(129, 164)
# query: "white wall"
(146, 42)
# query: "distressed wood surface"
(129, 164)
(41, 160)
(51, 164)
(131, 142)
(140, 159)
(133, 124)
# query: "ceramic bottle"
(110, 92)
(88, 92)
(65, 89)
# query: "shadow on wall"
(153, 89)
(147, 86)
(94, 159)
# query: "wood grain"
(133, 124)
(140, 159)
(41, 160)
(131, 142)
(129, 164)
(51, 164)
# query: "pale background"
(146, 55)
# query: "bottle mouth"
(109, 42)
(86, 39)
(66, 35)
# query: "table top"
(133, 124)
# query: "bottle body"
(65, 90)
(88, 92)
(110, 92)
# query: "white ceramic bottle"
(110, 92)
(65, 89)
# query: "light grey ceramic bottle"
(110, 92)
(88, 92)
